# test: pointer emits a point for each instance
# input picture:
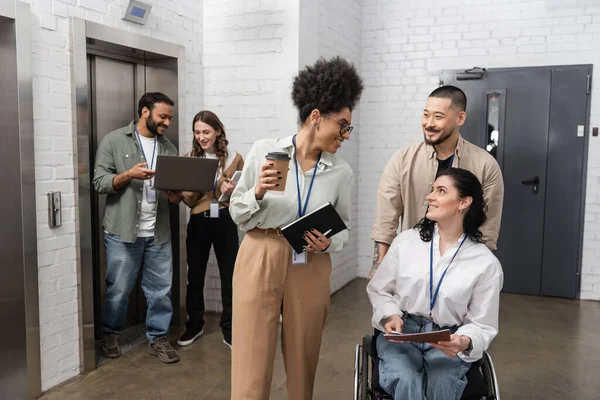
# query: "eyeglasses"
(345, 127)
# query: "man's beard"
(152, 126)
(440, 140)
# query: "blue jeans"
(124, 261)
(411, 371)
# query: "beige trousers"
(265, 284)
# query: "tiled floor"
(547, 349)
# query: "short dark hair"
(458, 97)
(467, 185)
(149, 99)
(328, 85)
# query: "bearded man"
(137, 234)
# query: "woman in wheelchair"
(438, 275)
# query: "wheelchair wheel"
(489, 376)
(357, 355)
(361, 374)
(364, 377)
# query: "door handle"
(535, 183)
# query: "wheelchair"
(481, 378)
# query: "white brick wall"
(175, 21)
(406, 43)
(251, 53)
(340, 34)
(250, 57)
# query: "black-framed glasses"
(345, 127)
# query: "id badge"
(214, 210)
(150, 191)
(299, 258)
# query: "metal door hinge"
(589, 84)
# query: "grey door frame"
(20, 13)
(83, 30)
(587, 127)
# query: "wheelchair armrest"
(479, 363)
(369, 345)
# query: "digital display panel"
(138, 12)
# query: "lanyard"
(216, 180)
(433, 296)
(215, 187)
(142, 148)
(302, 211)
(451, 161)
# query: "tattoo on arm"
(376, 257)
(376, 254)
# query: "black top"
(444, 164)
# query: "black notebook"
(324, 219)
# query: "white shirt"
(148, 210)
(230, 157)
(469, 295)
(276, 209)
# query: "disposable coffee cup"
(281, 163)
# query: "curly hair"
(210, 118)
(467, 185)
(328, 85)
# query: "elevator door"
(13, 367)
(114, 95)
(115, 87)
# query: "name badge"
(299, 258)
(150, 191)
(214, 210)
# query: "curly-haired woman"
(438, 275)
(266, 283)
(206, 228)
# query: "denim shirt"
(118, 152)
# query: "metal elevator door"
(534, 121)
(13, 371)
(114, 92)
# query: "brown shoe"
(163, 350)
(110, 345)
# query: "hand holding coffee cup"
(273, 175)
(268, 179)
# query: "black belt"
(420, 319)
